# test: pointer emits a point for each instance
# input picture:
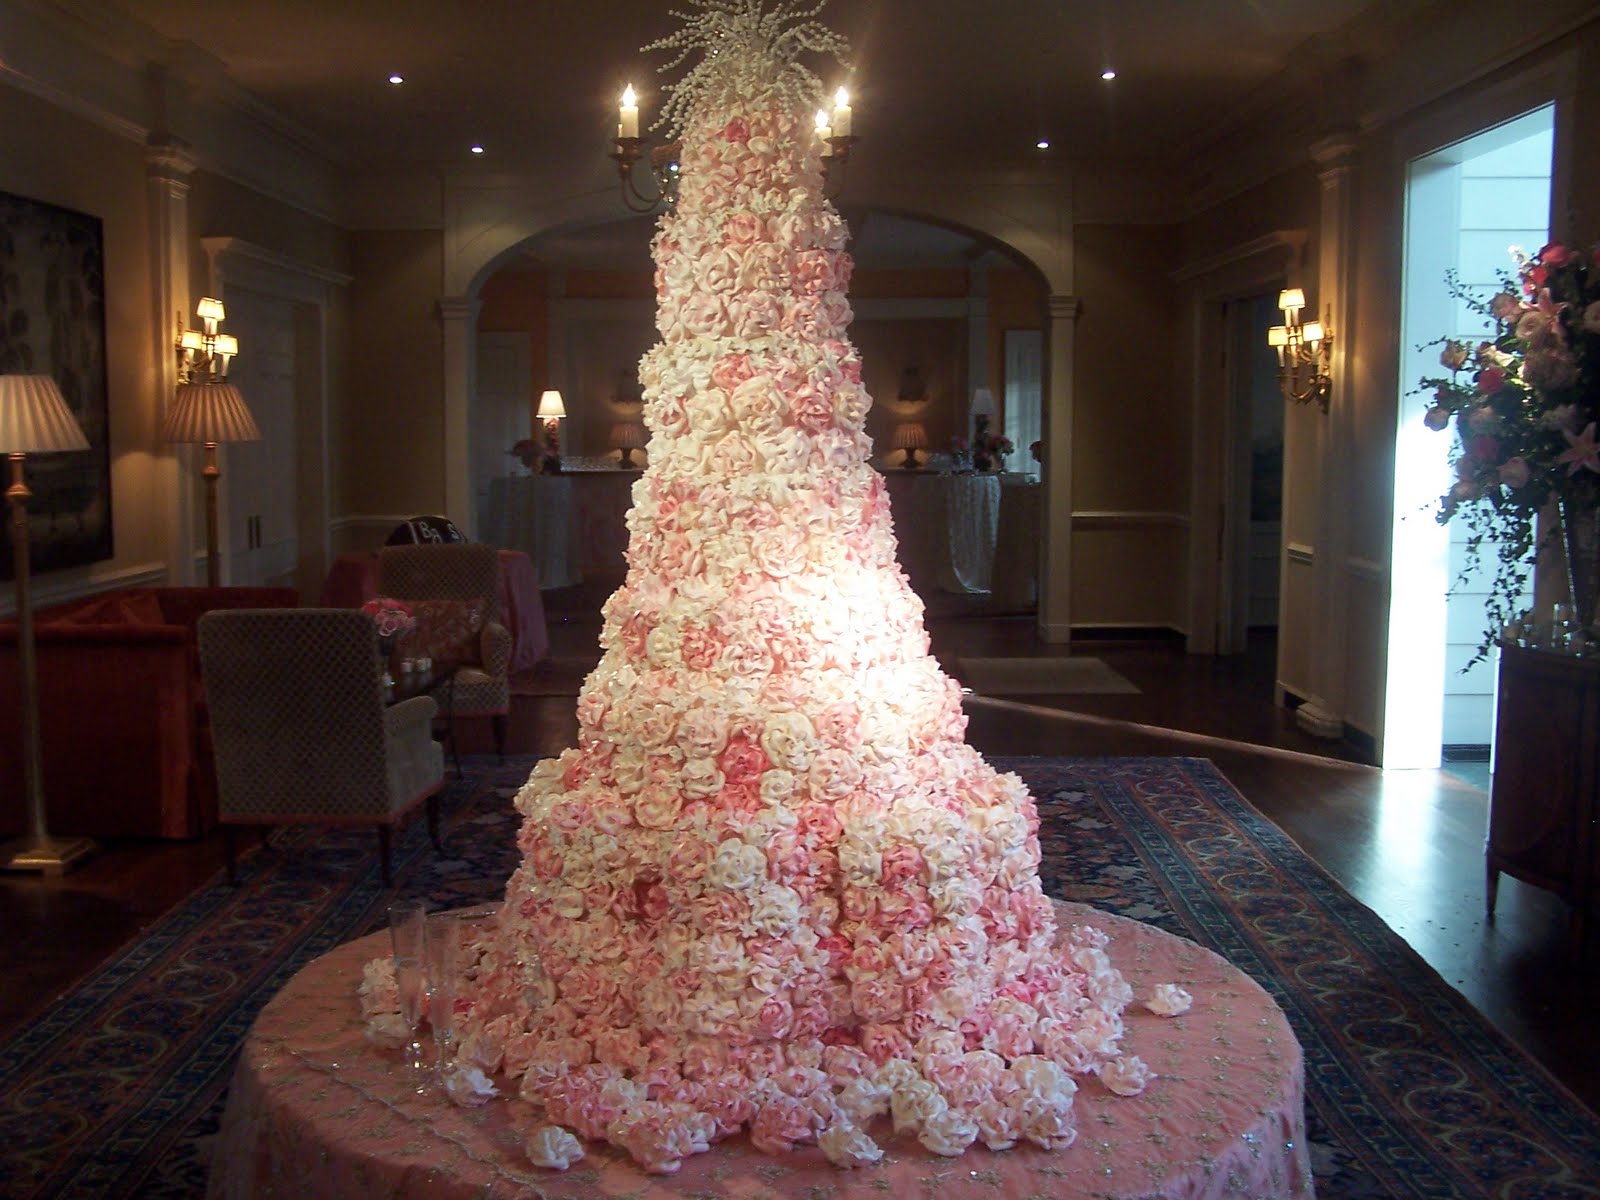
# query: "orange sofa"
(124, 739)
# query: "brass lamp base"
(50, 855)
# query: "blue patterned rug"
(117, 1090)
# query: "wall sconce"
(1305, 352)
(910, 437)
(204, 354)
(627, 436)
(550, 411)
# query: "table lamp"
(627, 436)
(34, 419)
(910, 437)
(550, 411)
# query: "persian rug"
(1041, 676)
(117, 1090)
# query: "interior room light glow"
(1043, 144)
(397, 80)
(1108, 74)
(477, 149)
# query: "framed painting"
(52, 322)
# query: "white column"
(978, 333)
(460, 317)
(168, 165)
(1323, 713)
(1055, 525)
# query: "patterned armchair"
(454, 591)
(300, 730)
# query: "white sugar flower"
(1168, 1000)
(553, 1147)
(846, 1146)
(1126, 1076)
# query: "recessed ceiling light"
(1042, 144)
(1108, 74)
(397, 80)
(477, 149)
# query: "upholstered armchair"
(300, 729)
(454, 592)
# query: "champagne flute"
(407, 924)
(442, 944)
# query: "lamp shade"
(34, 417)
(983, 403)
(550, 405)
(912, 435)
(210, 412)
(627, 435)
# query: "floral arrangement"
(1524, 405)
(392, 617)
(527, 450)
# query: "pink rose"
(1554, 254)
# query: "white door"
(1466, 205)
(259, 478)
(501, 416)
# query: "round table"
(315, 1112)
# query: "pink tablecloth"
(316, 1112)
(354, 579)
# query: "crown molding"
(1367, 76)
(97, 63)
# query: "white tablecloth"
(946, 526)
(536, 514)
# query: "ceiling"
(527, 79)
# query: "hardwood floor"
(1407, 844)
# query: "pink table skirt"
(353, 579)
(316, 1112)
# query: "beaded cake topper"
(746, 50)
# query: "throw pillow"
(446, 631)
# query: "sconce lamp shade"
(1278, 335)
(550, 405)
(34, 417)
(210, 412)
(983, 403)
(912, 435)
(627, 435)
(209, 309)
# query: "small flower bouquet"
(1525, 405)
(392, 617)
(527, 450)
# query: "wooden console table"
(1542, 801)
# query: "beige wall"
(391, 430)
(49, 155)
(1130, 432)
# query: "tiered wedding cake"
(772, 889)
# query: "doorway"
(1253, 519)
(1465, 206)
(260, 494)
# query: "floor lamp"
(34, 419)
(208, 409)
